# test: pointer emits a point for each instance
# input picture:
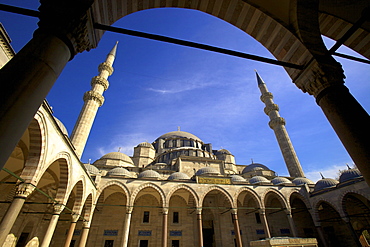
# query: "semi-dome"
(300, 181)
(254, 167)
(280, 181)
(349, 174)
(325, 183)
(258, 180)
(149, 174)
(178, 176)
(179, 134)
(61, 126)
(145, 144)
(207, 170)
(118, 156)
(223, 151)
(92, 169)
(237, 178)
(118, 171)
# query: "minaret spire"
(93, 99)
(277, 123)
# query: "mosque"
(175, 191)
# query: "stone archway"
(335, 229)
(108, 221)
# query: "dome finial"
(252, 160)
(178, 128)
(119, 149)
(349, 168)
(322, 176)
(89, 161)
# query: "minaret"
(277, 123)
(93, 99)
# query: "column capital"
(165, 210)
(24, 190)
(234, 211)
(318, 76)
(75, 217)
(129, 209)
(74, 26)
(58, 208)
(288, 211)
(198, 210)
(262, 211)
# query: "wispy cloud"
(327, 171)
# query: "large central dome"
(179, 134)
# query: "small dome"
(118, 156)
(237, 178)
(145, 144)
(258, 180)
(179, 134)
(92, 169)
(349, 174)
(325, 183)
(61, 126)
(207, 170)
(301, 181)
(280, 180)
(149, 174)
(178, 176)
(118, 171)
(223, 151)
(255, 167)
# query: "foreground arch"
(290, 31)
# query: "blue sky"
(157, 87)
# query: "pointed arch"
(125, 190)
(255, 196)
(222, 191)
(144, 186)
(184, 187)
(37, 148)
(278, 195)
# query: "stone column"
(58, 208)
(321, 234)
(165, 227)
(291, 222)
(21, 194)
(71, 230)
(28, 77)
(264, 222)
(350, 121)
(84, 234)
(352, 231)
(234, 214)
(200, 227)
(126, 229)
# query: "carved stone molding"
(58, 208)
(318, 76)
(105, 66)
(276, 122)
(266, 96)
(91, 95)
(101, 81)
(269, 108)
(24, 190)
(165, 210)
(74, 26)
